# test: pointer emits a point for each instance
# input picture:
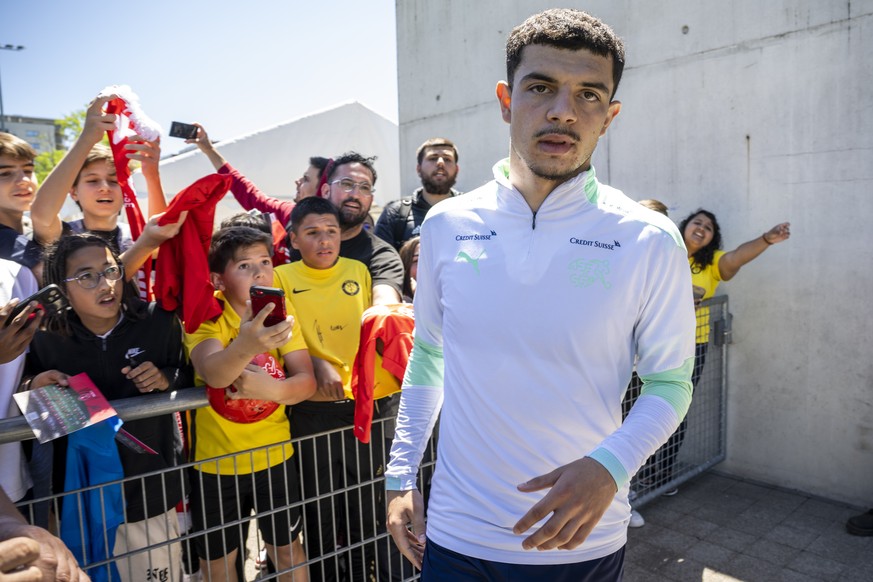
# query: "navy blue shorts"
(441, 564)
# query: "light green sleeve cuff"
(674, 386)
(611, 463)
(426, 366)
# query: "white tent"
(273, 158)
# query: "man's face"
(438, 170)
(355, 205)
(307, 183)
(17, 184)
(558, 108)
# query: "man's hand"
(15, 337)
(405, 508)
(580, 493)
(36, 555)
(17, 556)
(329, 385)
(146, 377)
(202, 139)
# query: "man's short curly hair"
(352, 158)
(565, 28)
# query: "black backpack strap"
(402, 218)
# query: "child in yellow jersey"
(330, 294)
(221, 351)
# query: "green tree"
(44, 162)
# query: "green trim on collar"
(591, 186)
(503, 167)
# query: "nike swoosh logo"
(296, 291)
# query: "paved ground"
(719, 528)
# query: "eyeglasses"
(90, 279)
(349, 186)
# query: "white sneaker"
(636, 519)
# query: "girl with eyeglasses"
(128, 348)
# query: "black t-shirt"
(381, 259)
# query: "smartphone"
(261, 296)
(50, 299)
(183, 130)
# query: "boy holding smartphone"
(330, 294)
(221, 350)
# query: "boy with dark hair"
(514, 497)
(221, 351)
(330, 293)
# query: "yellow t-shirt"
(214, 435)
(329, 304)
(708, 280)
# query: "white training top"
(537, 318)
(15, 281)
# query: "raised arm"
(148, 154)
(52, 194)
(204, 145)
(732, 261)
(152, 237)
(246, 193)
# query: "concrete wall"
(760, 112)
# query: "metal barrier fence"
(345, 520)
(349, 514)
(699, 444)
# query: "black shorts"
(216, 500)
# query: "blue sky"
(235, 66)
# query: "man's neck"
(13, 219)
(351, 232)
(433, 198)
(534, 189)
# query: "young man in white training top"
(534, 294)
